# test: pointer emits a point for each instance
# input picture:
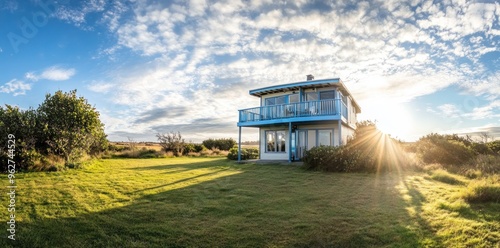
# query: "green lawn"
(213, 202)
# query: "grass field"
(213, 202)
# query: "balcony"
(294, 112)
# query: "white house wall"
(347, 132)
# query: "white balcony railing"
(292, 110)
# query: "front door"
(301, 143)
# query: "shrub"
(221, 144)
(199, 147)
(172, 142)
(142, 153)
(483, 164)
(494, 146)
(444, 149)
(483, 190)
(246, 153)
(188, 148)
(206, 152)
(333, 159)
(481, 148)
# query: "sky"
(415, 67)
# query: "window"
(270, 101)
(325, 137)
(281, 99)
(293, 98)
(311, 96)
(276, 100)
(275, 141)
(324, 95)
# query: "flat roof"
(320, 83)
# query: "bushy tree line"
(173, 142)
(371, 151)
(221, 144)
(64, 126)
(451, 149)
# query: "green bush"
(444, 149)
(193, 148)
(221, 144)
(334, 159)
(188, 148)
(246, 153)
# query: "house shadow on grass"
(259, 206)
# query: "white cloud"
(78, 16)
(53, 73)
(100, 87)
(449, 110)
(16, 87)
(197, 7)
(199, 50)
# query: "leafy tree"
(22, 127)
(71, 126)
(172, 142)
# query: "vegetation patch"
(64, 125)
(246, 153)
(444, 149)
(445, 177)
(368, 151)
(483, 190)
(214, 202)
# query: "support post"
(289, 142)
(340, 132)
(239, 144)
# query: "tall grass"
(483, 190)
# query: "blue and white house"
(295, 117)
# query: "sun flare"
(391, 118)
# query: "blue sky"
(415, 67)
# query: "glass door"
(301, 143)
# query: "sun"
(391, 118)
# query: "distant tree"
(71, 126)
(172, 142)
(132, 144)
(221, 144)
(485, 137)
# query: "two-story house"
(295, 117)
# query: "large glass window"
(270, 101)
(325, 137)
(281, 100)
(293, 98)
(311, 96)
(324, 95)
(275, 141)
(276, 100)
